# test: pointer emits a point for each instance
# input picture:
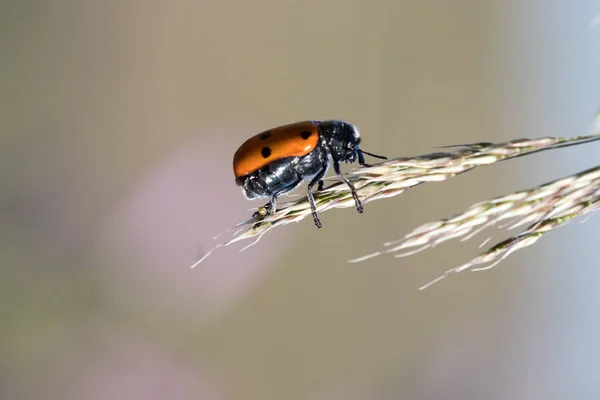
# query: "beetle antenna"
(374, 155)
(361, 157)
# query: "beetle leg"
(318, 179)
(272, 205)
(336, 167)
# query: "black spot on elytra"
(265, 151)
(265, 135)
(306, 134)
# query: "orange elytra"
(293, 140)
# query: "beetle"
(275, 162)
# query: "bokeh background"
(119, 120)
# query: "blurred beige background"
(119, 121)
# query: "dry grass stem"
(544, 208)
(393, 177)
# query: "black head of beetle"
(342, 140)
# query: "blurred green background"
(119, 120)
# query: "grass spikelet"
(393, 177)
(544, 208)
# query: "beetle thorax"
(340, 139)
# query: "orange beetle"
(277, 161)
